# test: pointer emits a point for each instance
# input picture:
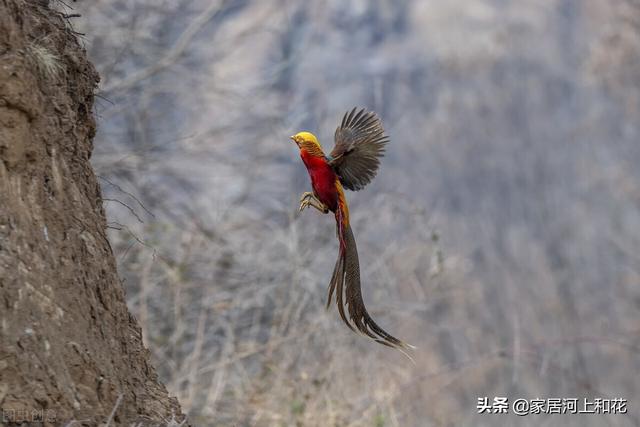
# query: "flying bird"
(360, 142)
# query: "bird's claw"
(309, 199)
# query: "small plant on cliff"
(47, 63)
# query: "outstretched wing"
(360, 143)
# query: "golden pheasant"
(359, 144)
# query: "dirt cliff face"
(69, 350)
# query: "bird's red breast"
(323, 179)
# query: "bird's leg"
(309, 199)
(315, 203)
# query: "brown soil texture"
(69, 349)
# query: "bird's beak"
(293, 138)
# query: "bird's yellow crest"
(305, 136)
(309, 142)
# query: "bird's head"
(308, 142)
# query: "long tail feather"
(345, 282)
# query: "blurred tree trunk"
(69, 349)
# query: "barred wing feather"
(359, 144)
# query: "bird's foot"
(309, 199)
(306, 195)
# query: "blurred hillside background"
(501, 236)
